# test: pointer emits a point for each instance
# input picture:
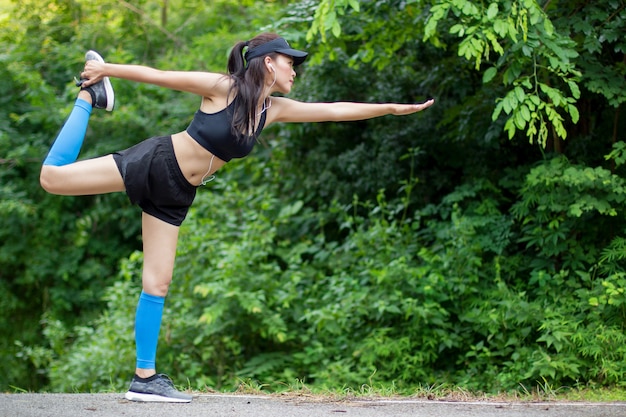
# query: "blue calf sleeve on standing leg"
(67, 145)
(147, 327)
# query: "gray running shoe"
(102, 95)
(157, 388)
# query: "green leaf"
(496, 112)
(355, 5)
(574, 89)
(489, 74)
(509, 127)
(520, 94)
(492, 11)
(573, 112)
(525, 112)
(336, 29)
(519, 120)
(548, 27)
(500, 27)
(459, 29)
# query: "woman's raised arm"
(204, 84)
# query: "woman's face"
(285, 74)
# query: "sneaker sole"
(108, 88)
(153, 398)
(110, 95)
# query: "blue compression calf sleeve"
(147, 326)
(67, 145)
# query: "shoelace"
(79, 82)
(165, 378)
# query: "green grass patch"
(436, 392)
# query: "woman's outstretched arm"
(287, 110)
(205, 84)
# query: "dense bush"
(463, 291)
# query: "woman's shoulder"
(219, 92)
(222, 85)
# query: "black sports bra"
(213, 131)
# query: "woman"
(161, 174)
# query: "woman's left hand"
(404, 109)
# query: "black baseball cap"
(277, 45)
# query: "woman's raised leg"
(86, 177)
(60, 174)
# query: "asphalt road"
(207, 405)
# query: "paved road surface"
(113, 405)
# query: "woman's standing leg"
(159, 251)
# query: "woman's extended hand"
(93, 72)
(404, 109)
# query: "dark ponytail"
(236, 63)
(247, 87)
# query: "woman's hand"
(404, 109)
(93, 72)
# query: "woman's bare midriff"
(193, 159)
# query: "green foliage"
(405, 252)
(541, 56)
(325, 18)
(447, 293)
(529, 50)
(598, 31)
(558, 202)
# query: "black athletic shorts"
(154, 181)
